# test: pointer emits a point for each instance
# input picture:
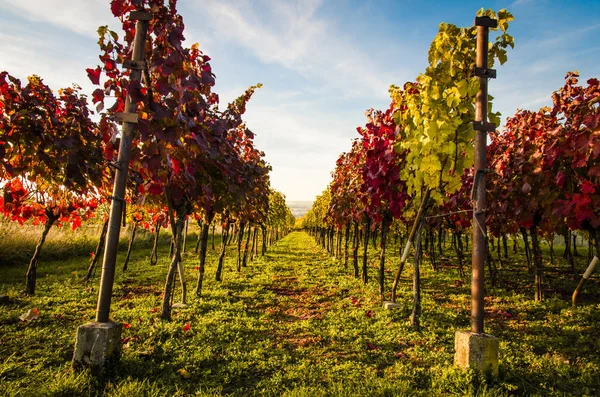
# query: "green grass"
(294, 323)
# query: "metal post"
(129, 118)
(481, 127)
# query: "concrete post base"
(476, 351)
(391, 305)
(97, 346)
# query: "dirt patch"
(293, 342)
(131, 292)
(285, 291)
(299, 303)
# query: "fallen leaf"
(184, 374)
(355, 301)
(31, 315)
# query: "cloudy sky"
(322, 63)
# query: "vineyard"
(116, 202)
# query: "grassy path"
(288, 324)
(292, 323)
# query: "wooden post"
(481, 127)
(474, 349)
(117, 205)
(409, 243)
(185, 233)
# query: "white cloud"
(300, 183)
(79, 16)
(301, 147)
(538, 102)
(37, 54)
(292, 35)
(521, 3)
(561, 38)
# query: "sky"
(322, 63)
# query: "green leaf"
(473, 87)
(462, 87)
(502, 57)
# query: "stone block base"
(97, 346)
(476, 351)
(391, 305)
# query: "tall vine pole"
(117, 206)
(481, 127)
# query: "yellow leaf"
(473, 87)
(462, 87)
(184, 374)
(435, 93)
(417, 119)
(432, 129)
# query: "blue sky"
(322, 63)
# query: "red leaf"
(98, 95)
(134, 89)
(588, 187)
(126, 325)
(110, 65)
(355, 301)
(26, 212)
(176, 166)
(76, 223)
(187, 327)
(371, 346)
(560, 179)
(116, 6)
(155, 188)
(595, 170)
(370, 313)
(94, 75)
(527, 223)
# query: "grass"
(292, 323)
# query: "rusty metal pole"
(129, 119)
(481, 127)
